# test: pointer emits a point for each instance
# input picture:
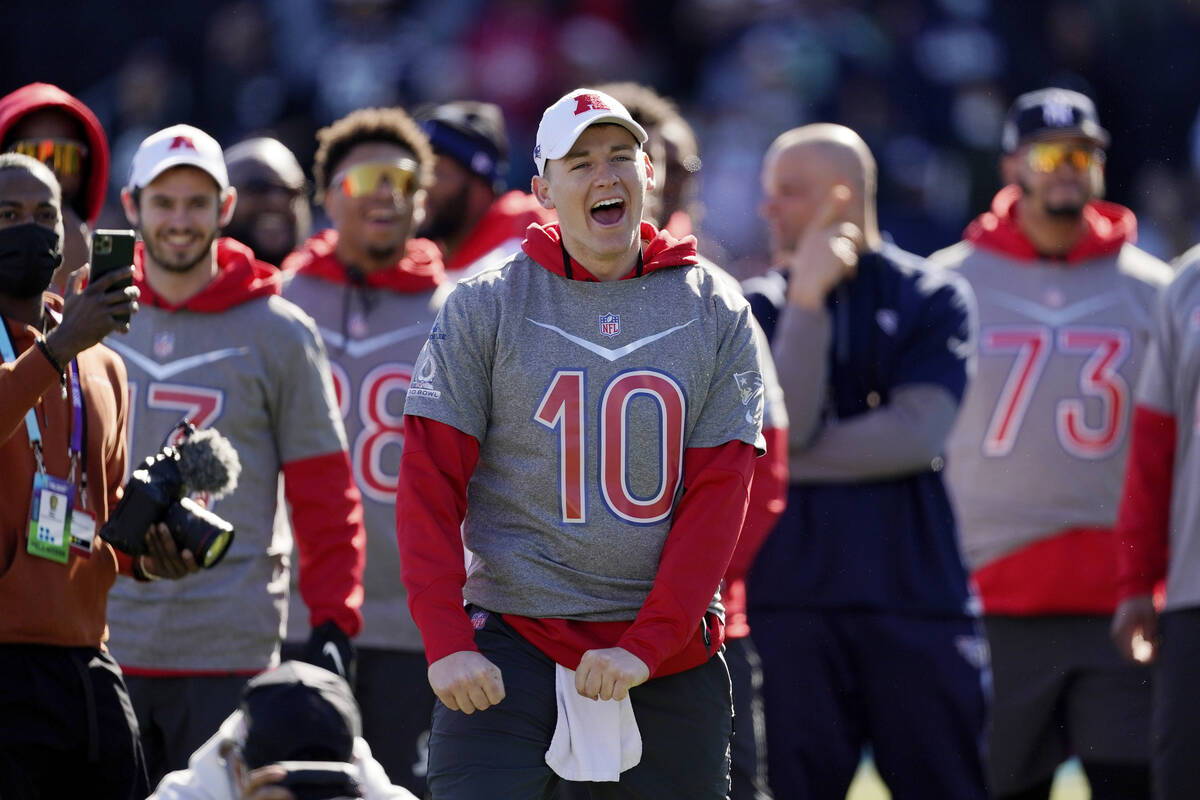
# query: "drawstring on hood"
(1108, 226)
(420, 270)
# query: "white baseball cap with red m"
(176, 146)
(573, 113)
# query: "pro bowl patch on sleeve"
(423, 377)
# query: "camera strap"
(52, 509)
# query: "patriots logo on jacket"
(610, 325)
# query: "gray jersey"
(1169, 384)
(1039, 445)
(257, 373)
(584, 397)
(373, 338)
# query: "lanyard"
(31, 425)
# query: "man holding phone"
(217, 344)
(62, 452)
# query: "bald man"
(859, 600)
(272, 214)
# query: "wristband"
(141, 573)
(45, 348)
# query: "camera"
(202, 461)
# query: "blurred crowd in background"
(926, 83)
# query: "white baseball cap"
(178, 145)
(563, 122)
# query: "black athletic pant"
(684, 721)
(67, 728)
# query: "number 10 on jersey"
(562, 410)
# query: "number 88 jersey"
(1039, 445)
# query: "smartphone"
(112, 249)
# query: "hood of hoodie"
(240, 278)
(506, 218)
(420, 269)
(543, 243)
(1108, 226)
(36, 96)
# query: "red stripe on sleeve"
(703, 534)
(431, 501)
(327, 521)
(1143, 521)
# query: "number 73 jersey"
(584, 397)
(1039, 445)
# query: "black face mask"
(29, 254)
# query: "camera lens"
(195, 528)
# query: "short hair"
(17, 161)
(388, 125)
(651, 110)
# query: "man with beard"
(63, 407)
(467, 212)
(369, 286)
(272, 214)
(1035, 462)
(215, 343)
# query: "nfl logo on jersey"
(610, 324)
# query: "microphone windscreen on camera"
(208, 463)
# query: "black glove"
(329, 647)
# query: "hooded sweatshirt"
(1036, 457)
(373, 326)
(238, 358)
(684, 552)
(37, 96)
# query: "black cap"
(1051, 113)
(299, 712)
(471, 133)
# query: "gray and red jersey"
(241, 359)
(1036, 458)
(585, 398)
(1159, 526)
(373, 327)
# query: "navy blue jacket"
(885, 544)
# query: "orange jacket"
(42, 601)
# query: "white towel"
(594, 740)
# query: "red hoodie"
(240, 278)
(1027, 580)
(419, 270)
(437, 465)
(37, 96)
(1107, 227)
(326, 507)
(506, 219)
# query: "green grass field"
(1069, 784)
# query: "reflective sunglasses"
(363, 179)
(1046, 157)
(64, 156)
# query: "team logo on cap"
(182, 141)
(589, 102)
(1057, 113)
(610, 325)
